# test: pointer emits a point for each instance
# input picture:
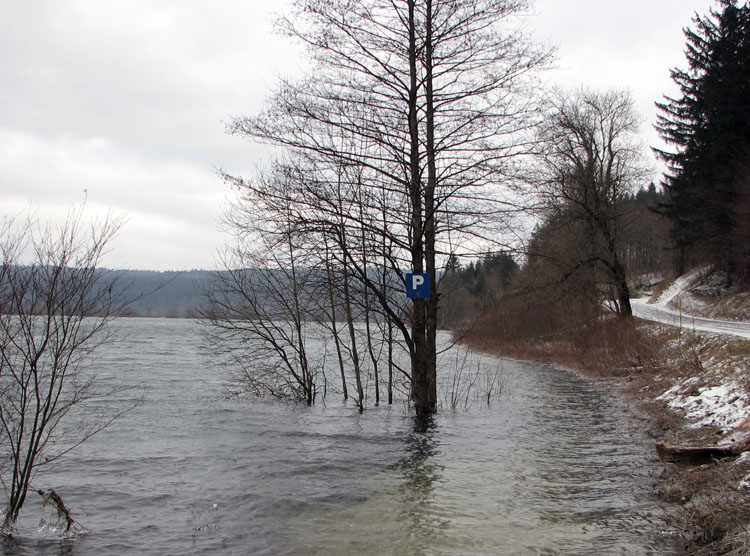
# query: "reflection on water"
(554, 468)
(420, 474)
(418, 467)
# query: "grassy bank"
(690, 389)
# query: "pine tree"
(709, 127)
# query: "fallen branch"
(700, 455)
(63, 514)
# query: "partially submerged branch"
(64, 519)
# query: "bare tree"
(591, 162)
(330, 316)
(400, 139)
(257, 307)
(55, 305)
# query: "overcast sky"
(123, 102)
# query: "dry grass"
(715, 503)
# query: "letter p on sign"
(418, 286)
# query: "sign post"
(417, 286)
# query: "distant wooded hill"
(164, 294)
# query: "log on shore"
(700, 455)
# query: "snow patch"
(678, 286)
(724, 406)
(745, 482)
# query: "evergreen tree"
(708, 125)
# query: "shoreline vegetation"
(691, 391)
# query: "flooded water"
(552, 467)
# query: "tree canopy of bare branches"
(590, 162)
(394, 152)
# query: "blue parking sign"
(418, 286)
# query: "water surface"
(552, 467)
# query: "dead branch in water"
(63, 514)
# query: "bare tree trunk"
(420, 379)
(350, 323)
(371, 348)
(334, 324)
(386, 254)
(430, 223)
(390, 360)
(308, 381)
(366, 249)
(623, 291)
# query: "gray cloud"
(125, 99)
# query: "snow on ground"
(724, 406)
(712, 388)
(714, 391)
(678, 286)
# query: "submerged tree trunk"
(352, 332)
(430, 226)
(334, 320)
(422, 375)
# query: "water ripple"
(554, 468)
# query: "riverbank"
(690, 389)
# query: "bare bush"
(55, 307)
(467, 382)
